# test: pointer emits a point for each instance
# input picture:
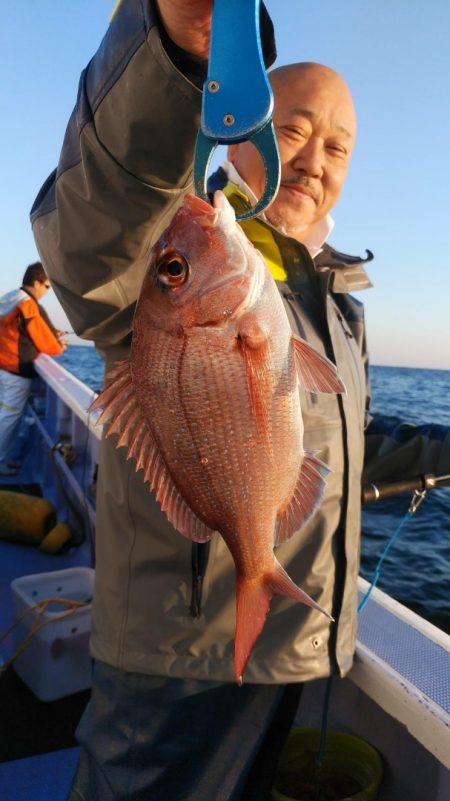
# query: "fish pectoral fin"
(308, 494)
(254, 343)
(254, 334)
(253, 597)
(122, 416)
(316, 372)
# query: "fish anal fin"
(307, 496)
(316, 372)
(122, 416)
(253, 597)
(281, 584)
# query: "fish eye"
(172, 269)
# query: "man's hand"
(62, 341)
(188, 24)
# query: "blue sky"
(394, 55)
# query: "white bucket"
(56, 662)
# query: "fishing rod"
(378, 492)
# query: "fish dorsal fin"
(316, 372)
(307, 496)
(122, 416)
(254, 344)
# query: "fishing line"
(417, 499)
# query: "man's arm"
(125, 166)
(396, 450)
(39, 329)
(126, 161)
(188, 24)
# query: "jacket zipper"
(348, 335)
(199, 563)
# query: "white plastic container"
(56, 661)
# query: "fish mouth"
(252, 275)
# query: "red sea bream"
(208, 404)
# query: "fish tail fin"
(252, 606)
(253, 598)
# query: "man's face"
(40, 288)
(315, 126)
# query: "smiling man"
(166, 722)
(315, 124)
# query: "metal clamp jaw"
(237, 97)
(418, 497)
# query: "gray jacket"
(161, 607)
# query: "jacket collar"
(348, 272)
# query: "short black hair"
(34, 272)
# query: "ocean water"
(85, 364)
(417, 568)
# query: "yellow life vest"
(259, 234)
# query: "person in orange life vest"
(25, 332)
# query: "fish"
(208, 404)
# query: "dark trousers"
(148, 738)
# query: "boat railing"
(402, 663)
(67, 456)
(71, 397)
